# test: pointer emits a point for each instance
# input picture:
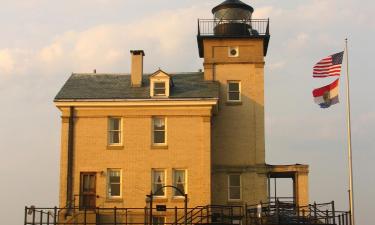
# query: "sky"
(42, 42)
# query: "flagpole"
(351, 195)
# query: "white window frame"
(153, 131)
(239, 90)
(109, 131)
(109, 184)
(165, 88)
(175, 182)
(153, 188)
(229, 187)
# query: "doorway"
(87, 190)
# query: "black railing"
(260, 214)
(289, 213)
(237, 28)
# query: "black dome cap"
(232, 4)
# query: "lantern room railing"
(236, 28)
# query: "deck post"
(25, 218)
(55, 215)
(333, 212)
(33, 216)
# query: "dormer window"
(159, 88)
(160, 84)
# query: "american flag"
(329, 66)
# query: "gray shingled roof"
(117, 86)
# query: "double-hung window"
(179, 181)
(234, 91)
(114, 131)
(159, 131)
(114, 183)
(159, 89)
(234, 187)
(158, 181)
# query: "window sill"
(115, 147)
(178, 199)
(114, 200)
(232, 103)
(160, 96)
(159, 146)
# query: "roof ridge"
(100, 74)
(128, 74)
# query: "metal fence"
(214, 27)
(289, 213)
(260, 214)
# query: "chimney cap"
(137, 52)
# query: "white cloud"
(51, 53)
(299, 41)
(106, 47)
(6, 62)
(277, 65)
(266, 12)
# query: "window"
(159, 137)
(179, 181)
(233, 52)
(158, 181)
(159, 89)
(234, 187)
(158, 220)
(114, 183)
(114, 131)
(234, 91)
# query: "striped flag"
(327, 95)
(329, 66)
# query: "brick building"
(125, 136)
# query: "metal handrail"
(253, 27)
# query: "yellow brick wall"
(188, 134)
(238, 129)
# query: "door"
(88, 191)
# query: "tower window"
(233, 52)
(234, 91)
(234, 187)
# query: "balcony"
(233, 28)
(214, 28)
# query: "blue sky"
(43, 41)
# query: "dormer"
(160, 83)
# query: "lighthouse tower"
(233, 46)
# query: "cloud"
(267, 11)
(277, 65)
(106, 46)
(6, 62)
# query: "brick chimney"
(136, 67)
